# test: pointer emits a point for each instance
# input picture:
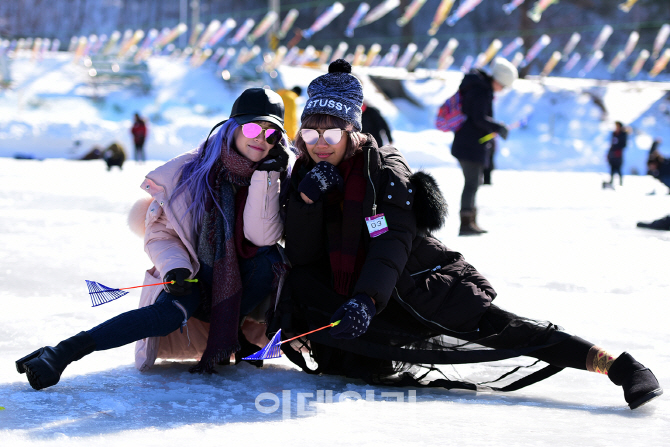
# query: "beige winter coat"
(170, 241)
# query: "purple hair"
(195, 173)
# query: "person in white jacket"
(213, 215)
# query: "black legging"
(568, 353)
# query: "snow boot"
(639, 383)
(469, 225)
(659, 224)
(45, 366)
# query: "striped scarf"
(216, 252)
(344, 225)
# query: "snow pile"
(53, 104)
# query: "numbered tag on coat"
(376, 225)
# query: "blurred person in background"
(290, 98)
(139, 131)
(375, 124)
(474, 144)
(615, 154)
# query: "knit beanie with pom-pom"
(337, 93)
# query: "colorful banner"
(195, 33)
(410, 12)
(570, 46)
(111, 43)
(490, 52)
(593, 60)
(391, 57)
(211, 29)
(263, 27)
(551, 63)
(227, 56)
(622, 55)
(535, 14)
(542, 42)
(467, 63)
(512, 46)
(373, 55)
(639, 63)
(632, 41)
(660, 40)
(287, 23)
(661, 63)
(362, 9)
(625, 7)
(425, 54)
(342, 48)
(242, 32)
(227, 27)
(359, 54)
(245, 55)
(324, 19)
(440, 16)
(380, 11)
(605, 34)
(463, 9)
(446, 58)
(136, 37)
(406, 56)
(324, 57)
(574, 59)
(511, 6)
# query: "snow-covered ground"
(559, 248)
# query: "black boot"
(45, 366)
(639, 383)
(660, 224)
(248, 348)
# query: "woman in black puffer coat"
(396, 290)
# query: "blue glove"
(322, 178)
(354, 316)
(276, 160)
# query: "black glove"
(322, 178)
(275, 160)
(355, 316)
(180, 286)
(503, 131)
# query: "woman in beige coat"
(213, 216)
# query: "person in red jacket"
(139, 132)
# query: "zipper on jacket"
(374, 191)
(427, 270)
(183, 323)
(267, 195)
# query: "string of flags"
(232, 44)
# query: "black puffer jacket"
(431, 282)
(477, 104)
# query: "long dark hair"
(355, 140)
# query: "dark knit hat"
(337, 93)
